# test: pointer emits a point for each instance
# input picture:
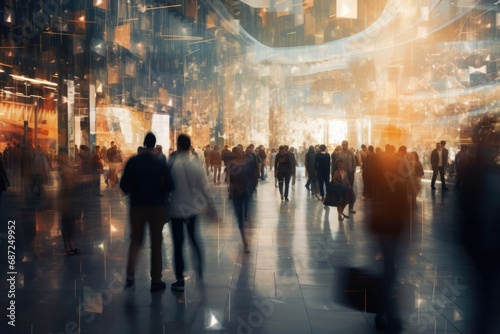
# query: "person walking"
(67, 201)
(417, 172)
(283, 171)
(309, 163)
(350, 163)
(263, 157)
(226, 156)
(389, 220)
(216, 162)
(186, 201)
(342, 189)
(240, 181)
(322, 162)
(147, 181)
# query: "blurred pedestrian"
(240, 181)
(186, 202)
(67, 202)
(147, 181)
(389, 219)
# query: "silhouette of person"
(479, 211)
(388, 220)
(240, 180)
(186, 201)
(67, 198)
(439, 160)
(147, 182)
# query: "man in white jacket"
(190, 195)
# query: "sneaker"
(177, 286)
(352, 211)
(157, 286)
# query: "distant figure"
(283, 171)
(417, 172)
(263, 157)
(226, 156)
(240, 181)
(322, 162)
(147, 181)
(67, 200)
(159, 153)
(342, 188)
(309, 163)
(186, 201)
(206, 156)
(439, 160)
(350, 163)
(216, 162)
(293, 159)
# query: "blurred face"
(438, 146)
(345, 145)
(340, 165)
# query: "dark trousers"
(284, 178)
(156, 216)
(177, 225)
(311, 182)
(323, 182)
(217, 169)
(435, 171)
(241, 208)
(67, 230)
(350, 176)
(389, 246)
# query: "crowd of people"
(176, 189)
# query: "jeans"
(177, 225)
(284, 177)
(241, 208)
(435, 171)
(323, 182)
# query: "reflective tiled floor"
(289, 283)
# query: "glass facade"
(228, 72)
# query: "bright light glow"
(347, 9)
(33, 81)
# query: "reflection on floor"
(289, 283)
